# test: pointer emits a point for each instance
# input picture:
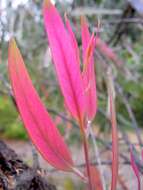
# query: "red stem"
(86, 155)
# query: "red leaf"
(73, 38)
(135, 168)
(65, 60)
(95, 179)
(88, 44)
(114, 133)
(37, 121)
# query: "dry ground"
(63, 180)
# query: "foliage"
(79, 92)
(123, 59)
(11, 126)
(27, 26)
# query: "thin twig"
(131, 114)
(95, 163)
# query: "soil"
(17, 175)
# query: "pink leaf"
(95, 179)
(65, 61)
(73, 38)
(88, 44)
(135, 168)
(41, 129)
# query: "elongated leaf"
(88, 43)
(95, 179)
(73, 38)
(37, 121)
(114, 132)
(135, 168)
(65, 61)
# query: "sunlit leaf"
(65, 61)
(42, 131)
(88, 44)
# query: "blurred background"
(120, 47)
(121, 29)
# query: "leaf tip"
(12, 42)
(47, 3)
(83, 20)
(65, 17)
(12, 48)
